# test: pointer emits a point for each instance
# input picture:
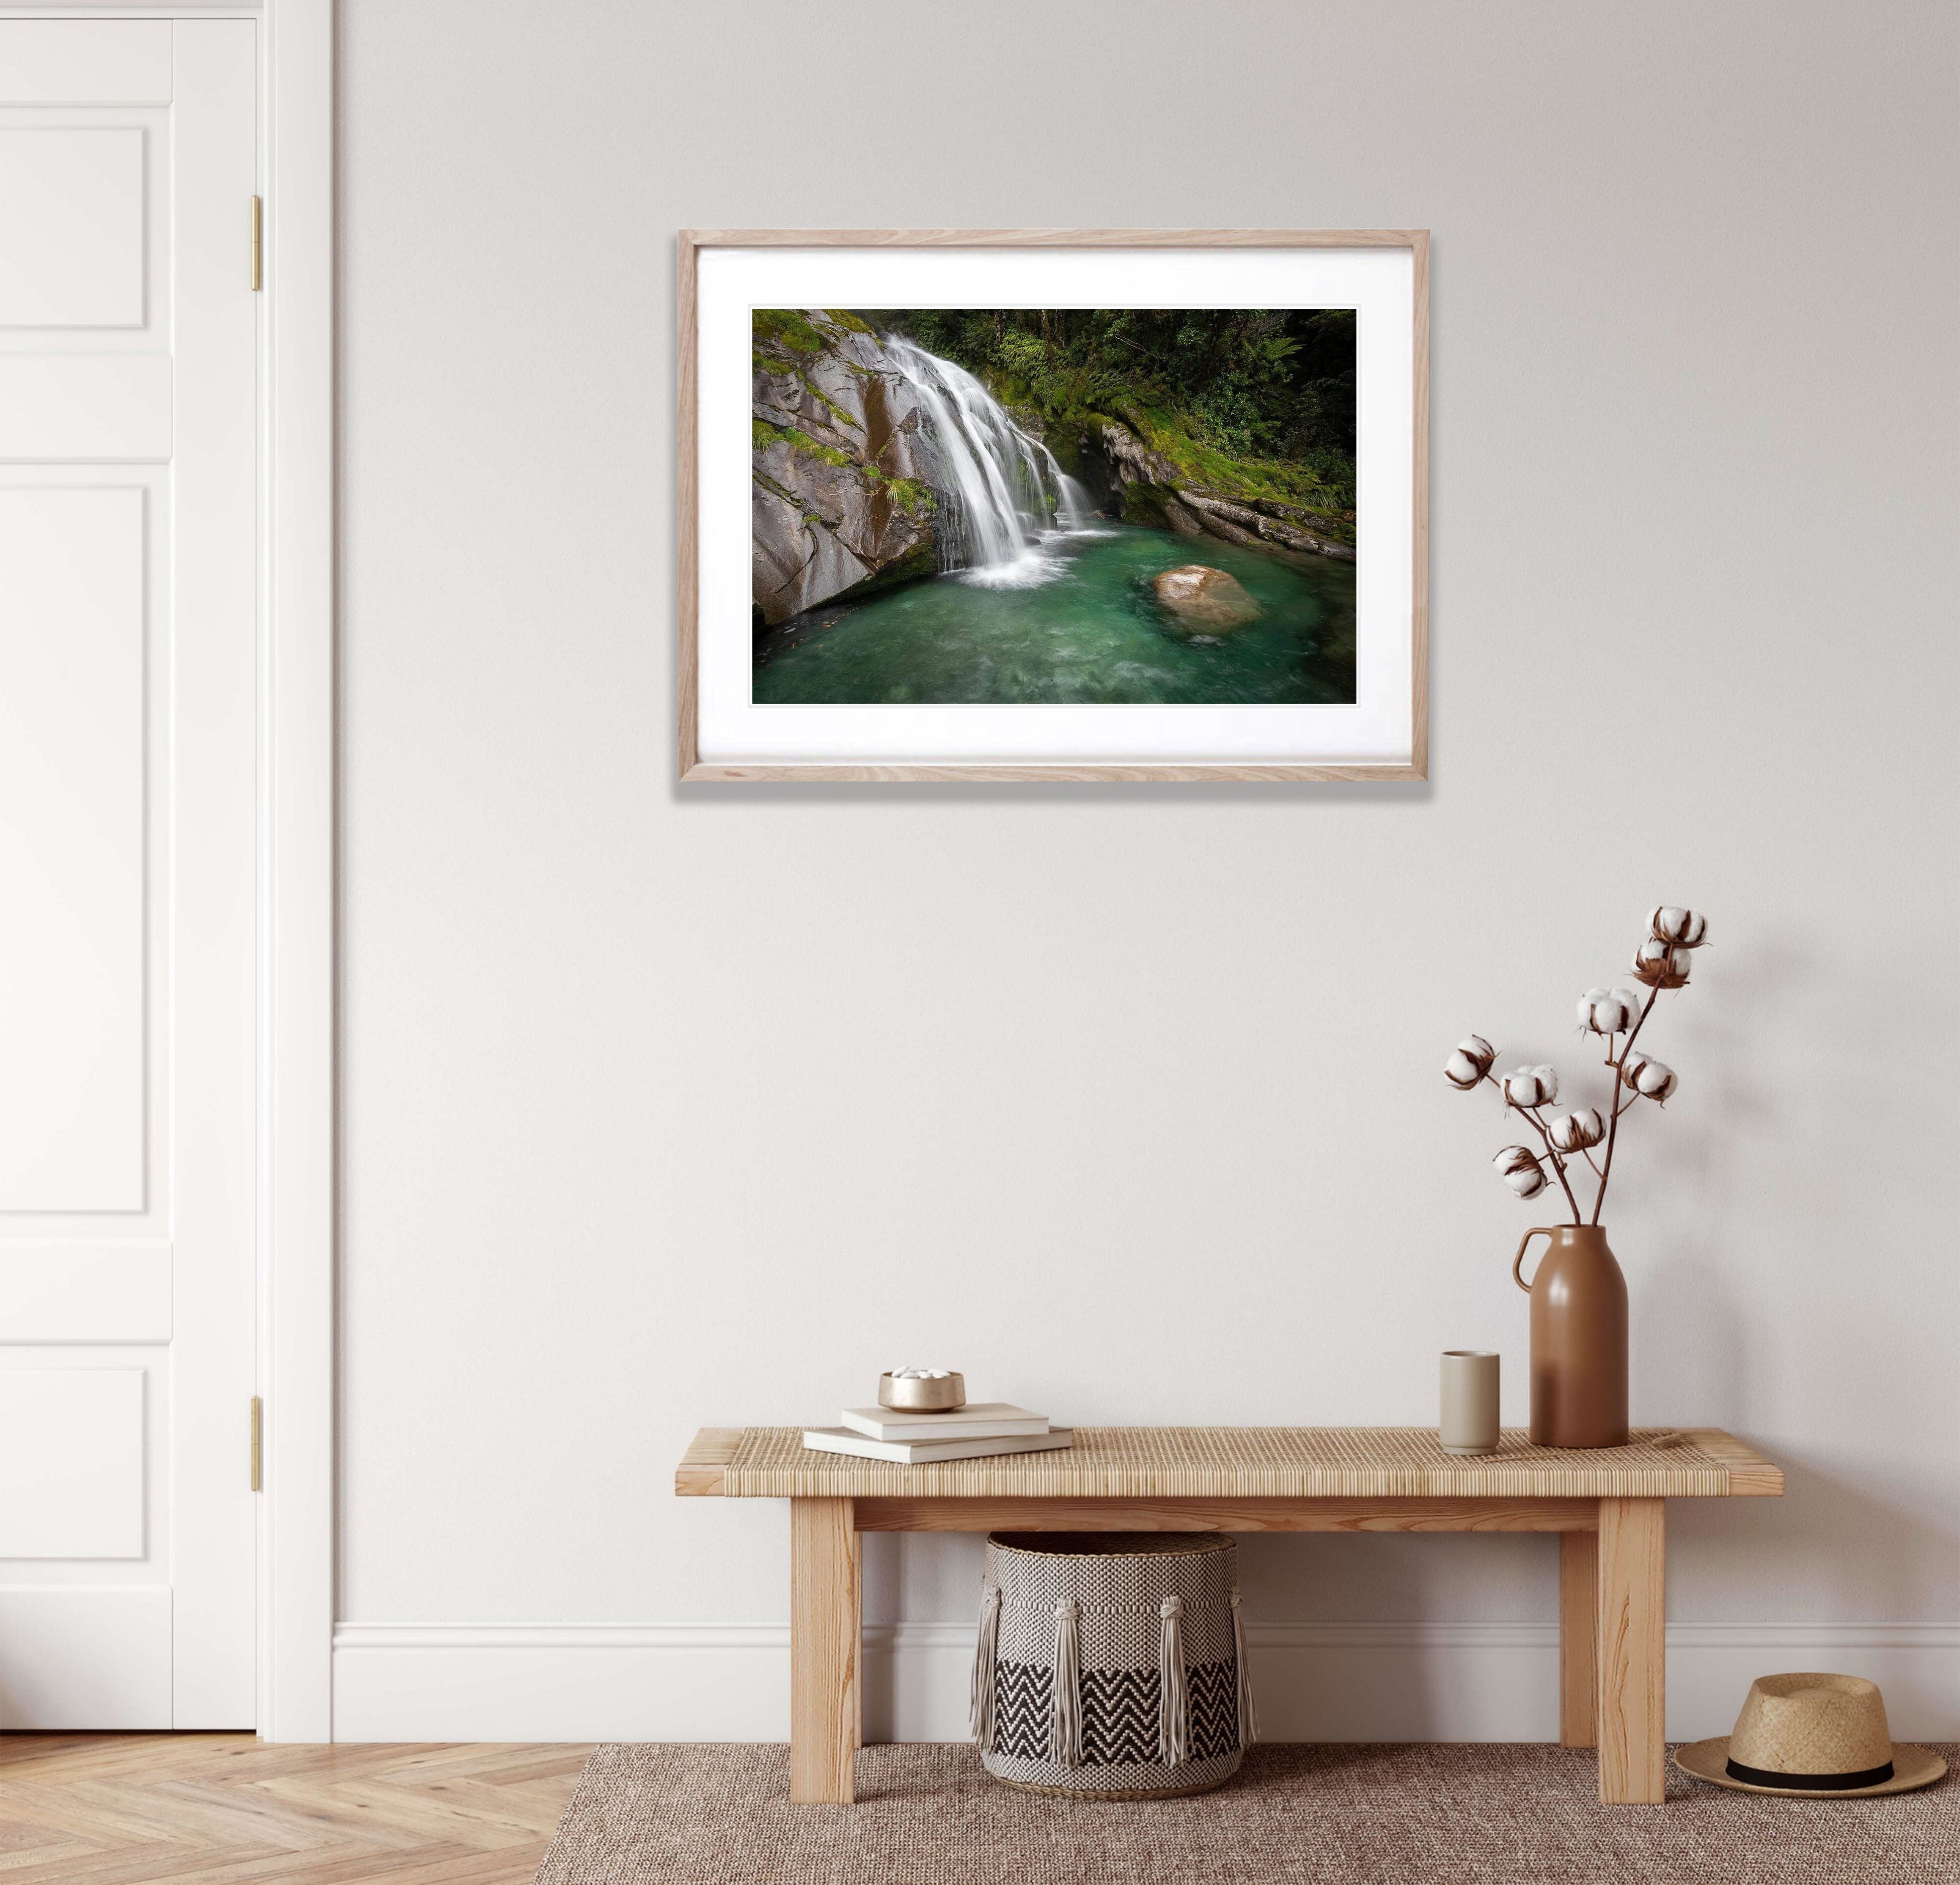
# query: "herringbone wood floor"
(228, 1810)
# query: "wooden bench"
(1608, 1507)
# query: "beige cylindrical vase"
(1469, 1422)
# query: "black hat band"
(1814, 1783)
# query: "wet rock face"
(839, 498)
(1202, 601)
(1135, 463)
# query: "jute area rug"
(1402, 1814)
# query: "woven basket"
(1111, 1665)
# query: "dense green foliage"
(1254, 400)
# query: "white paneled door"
(129, 383)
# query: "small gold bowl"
(945, 1395)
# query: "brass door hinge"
(258, 245)
(258, 1444)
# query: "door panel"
(99, 409)
(100, 1656)
(128, 755)
(71, 227)
(87, 62)
(77, 1491)
(76, 1291)
(71, 1099)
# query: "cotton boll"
(1574, 1131)
(1472, 1061)
(1607, 1011)
(1518, 1167)
(1661, 965)
(1531, 1087)
(1650, 1078)
(1685, 928)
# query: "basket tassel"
(1248, 1719)
(1065, 1708)
(980, 1708)
(1174, 1696)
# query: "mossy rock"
(762, 435)
(1065, 441)
(922, 559)
(789, 327)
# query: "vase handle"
(1518, 1262)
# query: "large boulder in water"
(839, 498)
(1201, 601)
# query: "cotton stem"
(1613, 1123)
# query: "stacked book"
(910, 1439)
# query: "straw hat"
(1822, 1736)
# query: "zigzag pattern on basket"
(1021, 1692)
(1214, 1709)
(1119, 1716)
(1119, 1712)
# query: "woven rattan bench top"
(1241, 1462)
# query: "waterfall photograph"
(1141, 506)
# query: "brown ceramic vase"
(1578, 1339)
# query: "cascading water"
(1000, 493)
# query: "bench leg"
(824, 1623)
(1578, 1639)
(1632, 1650)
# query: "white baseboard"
(1315, 1681)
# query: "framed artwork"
(1066, 504)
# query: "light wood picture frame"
(726, 276)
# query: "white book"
(977, 1420)
(919, 1452)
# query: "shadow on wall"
(1760, 1303)
(1833, 1547)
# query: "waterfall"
(1001, 494)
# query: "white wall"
(664, 1108)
